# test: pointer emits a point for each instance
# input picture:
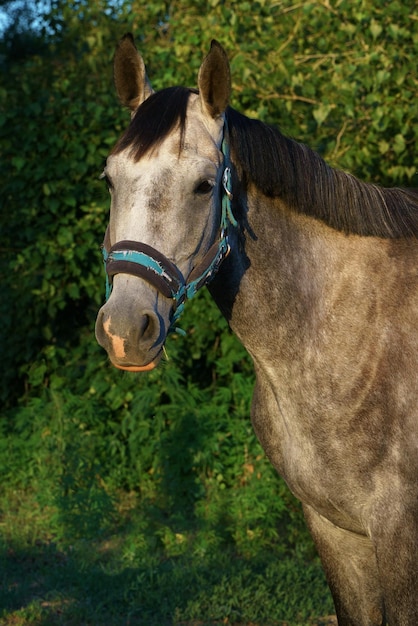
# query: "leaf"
(399, 143)
(321, 113)
(375, 29)
(384, 146)
(18, 162)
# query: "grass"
(147, 572)
(127, 501)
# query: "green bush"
(79, 439)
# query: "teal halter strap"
(139, 259)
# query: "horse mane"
(283, 168)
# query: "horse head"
(169, 179)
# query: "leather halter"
(139, 259)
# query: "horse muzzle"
(133, 335)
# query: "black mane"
(283, 168)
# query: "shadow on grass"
(44, 586)
(169, 558)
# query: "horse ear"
(215, 81)
(132, 84)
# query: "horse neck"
(294, 270)
(281, 276)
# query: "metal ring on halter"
(226, 182)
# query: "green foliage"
(340, 78)
(165, 466)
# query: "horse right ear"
(132, 84)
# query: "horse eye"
(204, 187)
(105, 177)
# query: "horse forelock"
(283, 168)
(156, 118)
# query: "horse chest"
(320, 469)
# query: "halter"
(139, 259)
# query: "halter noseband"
(139, 259)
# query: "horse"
(317, 275)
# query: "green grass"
(148, 500)
(149, 571)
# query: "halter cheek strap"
(139, 259)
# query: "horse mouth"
(137, 368)
(132, 367)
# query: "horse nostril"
(150, 329)
(147, 326)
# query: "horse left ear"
(214, 81)
(131, 81)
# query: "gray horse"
(317, 274)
